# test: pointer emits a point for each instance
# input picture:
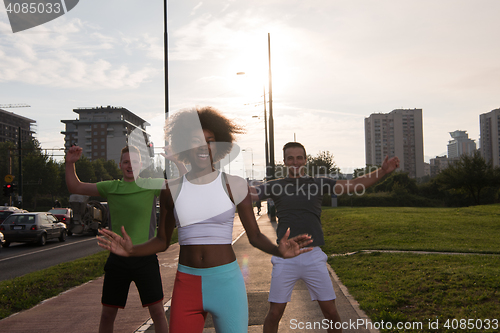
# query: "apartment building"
(103, 131)
(439, 163)
(460, 144)
(489, 125)
(398, 133)
(11, 123)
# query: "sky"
(333, 64)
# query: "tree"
(40, 173)
(112, 169)
(399, 182)
(100, 171)
(364, 171)
(471, 174)
(85, 170)
(322, 164)
(63, 192)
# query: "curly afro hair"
(180, 126)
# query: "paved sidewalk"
(79, 309)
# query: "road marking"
(234, 241)
(52, 248)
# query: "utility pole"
(20, 181)
(271, 208)
(265, 129)
(165, 43)
(10, 173)
(271, 172)
(168, 171)
(266, 143)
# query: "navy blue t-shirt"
(298, 204)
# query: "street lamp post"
(271, 208)
(270, 166)
(270, 173)
(251, 150)
(266, 143)
(168, 171)
(265, 129)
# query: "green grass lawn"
(26, 291)
(414, 288)
(470, 229)
(411, 288)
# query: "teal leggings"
(219, 290)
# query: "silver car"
(35, 227)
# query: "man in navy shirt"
(298, 200)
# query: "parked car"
(64, 215)
(6, 211)
(35, 227)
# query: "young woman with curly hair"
(202, 204)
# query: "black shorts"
(120, 271)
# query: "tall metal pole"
(20, 159)
(168, 171)
(165, 43)
(10, 173)
(271, 120)
(251, 170)
(252, 165)
(265, 130)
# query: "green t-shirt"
(132, 204)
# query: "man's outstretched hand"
(169, 155)
(389, 165)
(74, 153)
(294, 246)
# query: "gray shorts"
(310, 267)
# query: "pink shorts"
(310, 267)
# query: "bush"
(397, 180)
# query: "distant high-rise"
(439, 163)
(10, 124)
(398, 133)
(103, 131)
(489, 126)
(460, 144)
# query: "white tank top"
(204, 213)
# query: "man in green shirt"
(131, 202)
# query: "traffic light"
(151, 149)
(7, 190)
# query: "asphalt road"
(20, 259)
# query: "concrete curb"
(352, 301)
(414, 252)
